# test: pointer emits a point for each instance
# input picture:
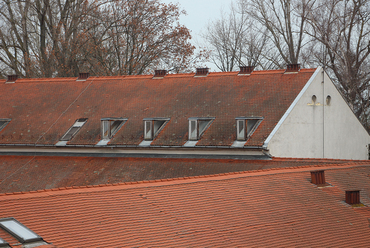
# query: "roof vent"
(318, 178)
(159, 73)
(245, 70)
(12, 78)
(353, 197)
(293, 68)
(202, 72)
(83, 76)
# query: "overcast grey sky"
(199, 13)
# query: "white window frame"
(249, 125)
(153, 126)
(197, 127)
(110, 126)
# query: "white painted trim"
(286, 114)
(103, 142)
(191, 143)
(145, 143)
(238, 143)
(61, 143)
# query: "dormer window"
(110, 126)
(197, 126)
(152, 126)
(245, 126)
(74, 129)
(3, 123)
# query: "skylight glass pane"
(250, 125)
(241, 130)
(19, 230)
(70, 133)
(157, 126)
(115, 125)
(193, 130)
(203, 126)
(106, 129)
(148, 134)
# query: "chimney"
(83, 76)
(12, 78)
(159, 73)
(318, 178)
(293, 68)
(245, 70)
(202, 72)
(353, 197)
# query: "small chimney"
(12, 78)
(353, 197)
(245, 70)
(83, 76)
(293, 68)
(202, 72)
(318, 178)
(159, 73)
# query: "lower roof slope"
(270, 208)
(42, 110)
(27, 173)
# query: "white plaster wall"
(318, 130)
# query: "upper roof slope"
(42, 110)
(271, 208)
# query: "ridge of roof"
(149, 76)
(180, 180)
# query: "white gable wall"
(319, 130)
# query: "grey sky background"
(199, 14)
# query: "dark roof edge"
(159, 152)
(139, 155)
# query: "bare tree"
(343, 30)
(285, 21)
(45, 38)
(234, 41)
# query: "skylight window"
(152, 126)
(245, 126)
(74, 129)
(197, 126)
(18, 230)
(3, 123)
(110, 126)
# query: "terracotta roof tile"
(42, 110)
(275, 208)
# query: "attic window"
(110, 126)
(74, 129)
(18, 230)
(245, 126)
(197, 126)
(152, 126)
(3, 123)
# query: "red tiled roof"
(42, 110)
(26, 173)
(268, 208)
